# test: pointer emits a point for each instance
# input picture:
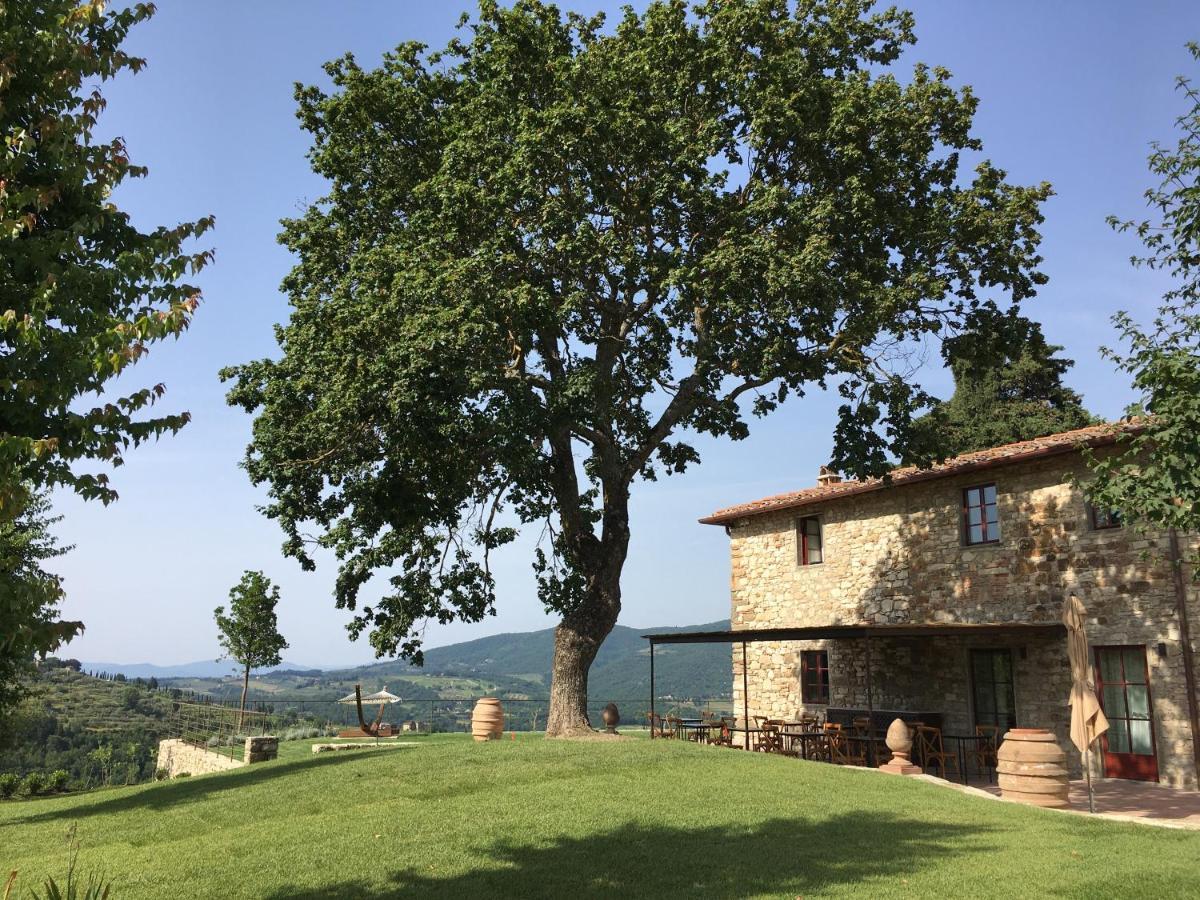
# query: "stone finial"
(899, 741)
(826, 475)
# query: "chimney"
(826, 475)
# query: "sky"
(1070, 92)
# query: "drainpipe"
(1185, 640)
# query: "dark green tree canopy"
(83, 293)
(1153, 478)
(556, 249)
(29, 595)
(1016, 397)
(249, 633)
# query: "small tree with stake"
(250, 633)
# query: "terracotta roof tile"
(1050, 445)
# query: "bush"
(33, 784)
(301, 733)
(57, 782)
(161, 774)
(8, 785)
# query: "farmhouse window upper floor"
(981, 516)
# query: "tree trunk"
(245, 690)
(576, 642)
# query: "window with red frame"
(814, 676)
(981, 518)
(811, 546)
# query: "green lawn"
(535, 818)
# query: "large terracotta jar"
(487, 721)
(1032, 768)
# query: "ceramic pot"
(611, 718)
(1032, 768)
(487, 720)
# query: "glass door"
(992, 688)
(1123, 682)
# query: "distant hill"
(516, 664)
(204, 668)
(621, 669)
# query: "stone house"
(967, 565)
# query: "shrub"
(57, 781)
(8, 785)
(161, 774)
(33, 784)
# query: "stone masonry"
(177, 757)
(896, 555)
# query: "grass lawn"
(536, 818)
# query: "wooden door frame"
(1149, 702)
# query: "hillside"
(99, 731)
(513, 666)
(534, 818)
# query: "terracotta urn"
(611, 717)
(487, 720)
(899, 740)
(1032, 768)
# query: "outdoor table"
(804, 738)
(698, 728)
(872, 741)
(961, 740)
(742, 729)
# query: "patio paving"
(1143, 800)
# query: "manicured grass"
(536, 818)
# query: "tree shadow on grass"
(782, 856)
(179, 791)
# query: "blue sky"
(1071, 93)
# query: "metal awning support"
(652, 690)
(745, 696)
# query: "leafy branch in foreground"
(1153, 476)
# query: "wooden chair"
(656, 725)
(985, 754)
(861, 725)
(933, 752)
(770, 739)
(843, 751)
(673, 727)
(724, 737)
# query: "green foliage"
(32, 784)
(552, 250)
(9, 781)
(68, 715)
(1153, 477)
(83, 293)
(57, 781)
(29, 596)
(999, 401)
(95, 887)
(250, 633)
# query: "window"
(992, 686)
(814, 676)
(811, 547)
(981, 519)
(1105, 518)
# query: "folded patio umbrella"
(1088, 721)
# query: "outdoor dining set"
(857, 743)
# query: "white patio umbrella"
(1088, 721)
(383, 698)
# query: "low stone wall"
(178, 757)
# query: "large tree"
(555, 250)
(83, 292)
(1015, 395)
(249, 633)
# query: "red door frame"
(1136, 766)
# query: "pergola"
(840, 632)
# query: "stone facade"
(896, 556)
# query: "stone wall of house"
(896, 556)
